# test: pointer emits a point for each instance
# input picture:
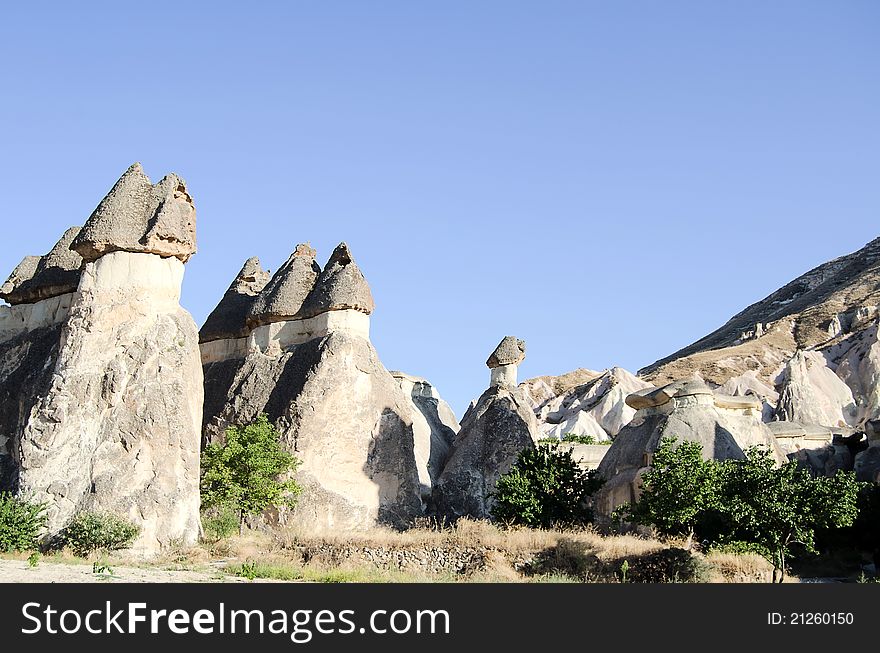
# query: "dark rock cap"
(510, 351)
(42, 277)
(229, 318)
(282, 298)
(137, 216)
(340, 286)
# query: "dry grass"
(740, 567)
(468, 533)
(505, 555)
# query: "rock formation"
(504, 361)
(493, 432)
(689, 411)
(228, 320)
(39, 291)
(595, 408)
(811, 346)
(434, 428)
(109, 420)
(306, 360)
(137, 216)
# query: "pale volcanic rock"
(434, 428)
(492, 434)
(319, 379)
(596, 408)
(124, 407)
(749, 384)
(813, 393)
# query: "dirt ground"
(19, 571)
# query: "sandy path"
(18, 571)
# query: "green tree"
(248, 472)
(545, 487)
(679, 490)
(776, 507)
(21, 523)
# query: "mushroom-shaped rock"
(137, 216)
(282, 298)
(56, 273)
(510, 351)
(340, 286)
(229, 318)
(653, 397)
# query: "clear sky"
(608, 180)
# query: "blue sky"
(608, 180)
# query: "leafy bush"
(583, 439)
(94, 531)
(545, 487)
(20, 523)
(672, 565)
(242, 473)
(220, 522)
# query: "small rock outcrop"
(493, 432)
(503, 362)
(111, 415)
(306, 361)
(689, 411)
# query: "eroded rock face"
(492, 434)
(100, 373)
(813, 393)
(124, 406)
(138, 216)
(596, 408)
(689, 411)
(434, 429)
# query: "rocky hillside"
(809, 351)
(832, 300)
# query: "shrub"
(583, 439)
(20, 523)
(672, 565)
(545, 487)
(93, 531)
(242, 473)
(220, 522)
